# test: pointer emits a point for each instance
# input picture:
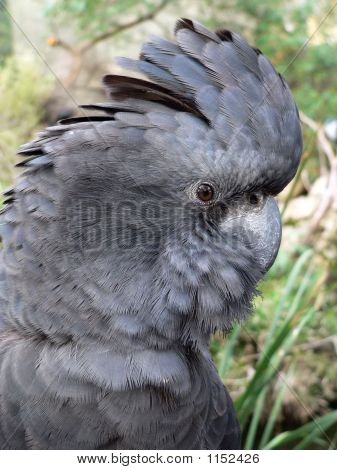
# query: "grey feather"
(114, 273)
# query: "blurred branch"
(79, 52)
(309, 122)
(322, 141)
(330, 195)
(320, 344)
(123, 27)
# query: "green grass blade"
(268, 367)
(227, 356)
(315, 433)
(280, 336)
(274, 412)
(333, 444)
(254, 423)
(270, 359)
(307, 432)
(294, 274)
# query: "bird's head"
(165, 204)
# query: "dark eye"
(205, 192)
(254, 199)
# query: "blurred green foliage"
(92, 17)
(5, 33)
(301, 41)
(22, 92)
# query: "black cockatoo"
(130, 237)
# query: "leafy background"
(281, 365)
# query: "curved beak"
(259, 230)
(266, 229)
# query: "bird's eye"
(254, 199)
(205, 192)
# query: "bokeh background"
(280, 366)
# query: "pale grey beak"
(258, 228)
(266, 229)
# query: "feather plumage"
(113, 276)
